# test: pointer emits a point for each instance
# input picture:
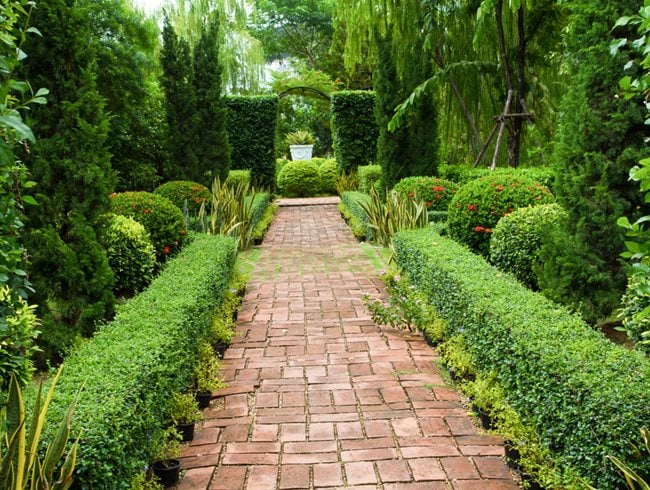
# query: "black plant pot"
(257, 241)
(220, 349)
(234, 315)
(484, 417)
(512, 455)
(203, 398)
(168, 472)
(452, 374)
(186, 431)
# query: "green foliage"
(347, 182)
(183, 119)
(153, 337)
(435, 193)
(70, 162)
(462, 174)
(20, 464)
(635, 305)
(392, 214)
(233, 211)
(251, 123)
(299, 178)
(354, 213)
(583, 395)
(517, 238)
(600, 137)
(144, 481)
(329, 176)
(130, 254)
(454, 353)
(18, 332)
(369, 177)
(354, 128)
(207, 369)
(411, 149)
(213, 152)
(184, 192)
(237, 176)
(183, 408)
(299, 137)
(166, 446)
(405, 307)
(160, 217)
(477, 207)
(263, 224)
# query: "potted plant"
(165, 451)
(301, 144)
(207, 375)
(184, 413)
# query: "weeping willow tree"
(241, 55)
(482, 50)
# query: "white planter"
(301, 152)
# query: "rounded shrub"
(517, 238)
(160, 217)
(181, 191)
(130, 253)
(478, 205)
(436, 193)
(299, 178)
(236, 177)
(329, 176)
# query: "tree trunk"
(517, 123)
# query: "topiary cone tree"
(599, 138)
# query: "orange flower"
(166, 250)
(146, 211)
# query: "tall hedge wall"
(133, 364)
(585, 397)
(251, 125)
(354, 128)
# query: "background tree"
(412, 148)
(213, 151)
(127, 45)
(71, 164)
(600, 138)
(180, 106)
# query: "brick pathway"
(319, 396)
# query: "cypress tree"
(213, 152)
(180, 106)
(71, 166)
(412, 148)
(600, 137)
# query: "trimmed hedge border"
(354, 128)
(462, 174)
(251, 122)
(585, 397)
(133, 364)
(261, 201)
(359, 220)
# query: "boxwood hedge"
(356, 216)
(354, 128)
(586, 397)
(133, 364)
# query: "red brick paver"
(321, 397)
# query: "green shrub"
(583, 395)
(634, 303)
(160, 217)
(183, 191)
(237, 176)
(130, 254)
(436, 193)
(463, 174)
(347, 182)
(329, 176)
(478, 205)
(263, 224)
(517, 238)
(18, 332)
(354, 128)
(251, 125)
(369, 175)
(355, 214)
(320, 161)
(261, 202)
(299, 179)
(133, 364)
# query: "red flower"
(438, 188)
(183, 232)
(429, 203)
(196, 199)
(499, 188)
(438, 196)
(479, 229)
(411, 194)
(472, 207)
(113, 194)
(488, 230)
(146, 211)
(166, 250)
